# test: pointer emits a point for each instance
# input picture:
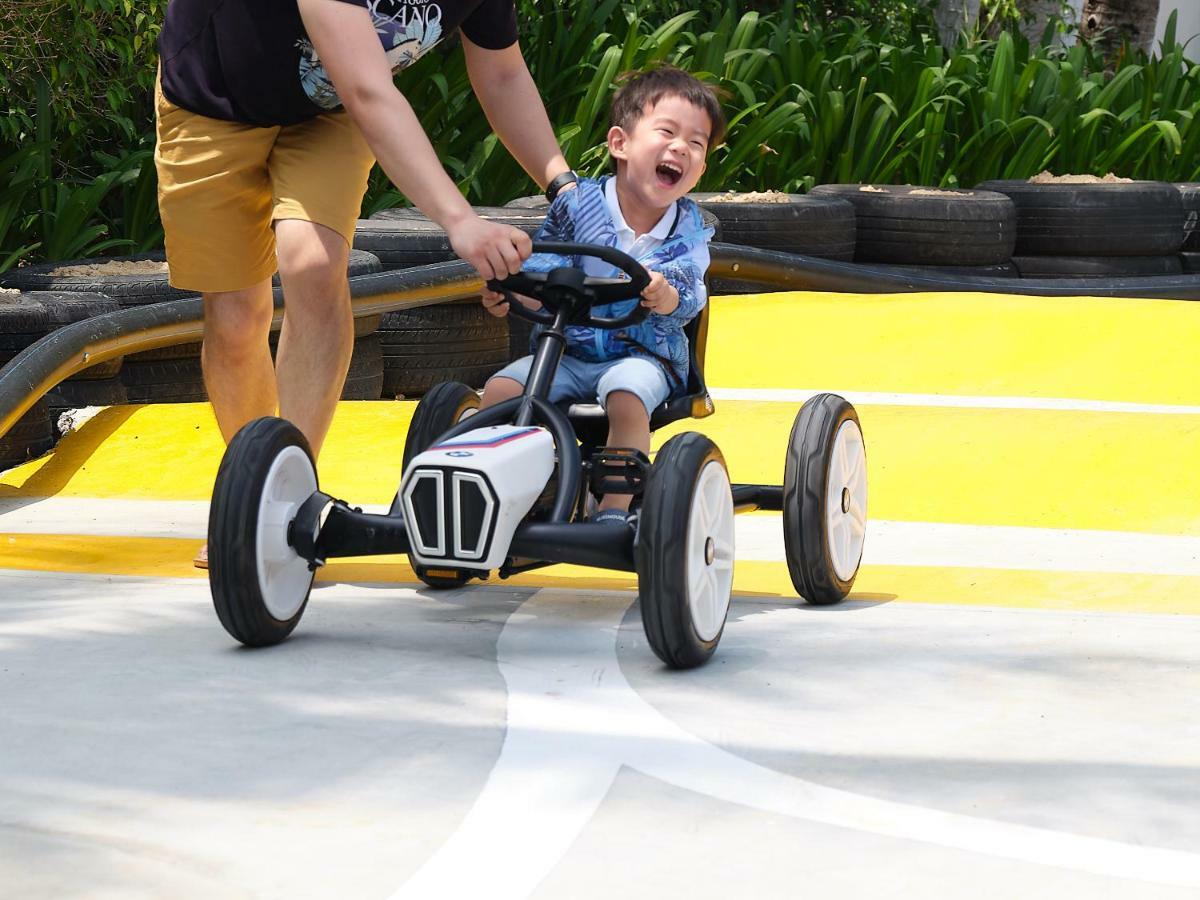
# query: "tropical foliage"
(812, 95)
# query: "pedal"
(619, 470)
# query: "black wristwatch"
(559, 182)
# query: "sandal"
(201, 559)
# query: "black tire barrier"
(448, 342)
(364, 380)
(164, 381)
(1190, 262)
(928, 226)
(78, 394)
(129, 290)
(404, 238)
(28, 438)
(1189, 194)
(21, 326)
(813, 226)
(1097, 266)
(1138, 218)
(785, 272)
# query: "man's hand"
(493, 250)
(659, 296)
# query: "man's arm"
(514, 109)
(352, 54)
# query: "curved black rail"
(40, 367)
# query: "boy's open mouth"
(668, 174)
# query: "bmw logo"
(458, 454)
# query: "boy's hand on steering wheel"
(493, 250)
(497, 304)
(659, 296)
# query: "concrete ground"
(1006, 705)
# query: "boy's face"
(662, 158)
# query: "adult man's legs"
(318, 325)
(238, 372)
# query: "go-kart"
(507, 489)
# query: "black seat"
(591, 422)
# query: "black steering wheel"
(567, 289)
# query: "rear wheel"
(443, 407)
(259, 584)
(685, 549)
(825, 499)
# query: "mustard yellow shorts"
(222, 186)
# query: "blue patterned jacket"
(581, 216)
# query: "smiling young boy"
(664, 122)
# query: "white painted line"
(941, 545)
(574, 721)
(869, 398)
(759, 537)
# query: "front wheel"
(259, 584)
(442, 407)
(825, 499)
(684, 553)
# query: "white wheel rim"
(283, 577)
(710, 551)
(846, 500)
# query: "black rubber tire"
(903, 226)
(28, 438)
(78, 394)
(1097, 266)
(232, 531)
(164, 381)
(23, 315)
(440, 409)
(1189, 195)
(404, 238)
(29, 317)
(813, 226)
(1190, 262)
(427, 345)
(661, 553)
(364, 380)
(1139, 218)
(132, 290)
(805, 479)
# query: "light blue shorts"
(579, 381)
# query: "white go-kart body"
(463, 498)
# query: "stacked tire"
(1096, 230)
(426, 345)
(1189, 256)
(168, 374)
(930, 229)
(26, 318)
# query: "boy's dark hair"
(647, 88)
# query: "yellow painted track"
(1131, 471)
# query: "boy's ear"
(617, 140)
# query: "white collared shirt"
(627, 240)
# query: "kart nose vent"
(451, 513)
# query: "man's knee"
(625, 405)
(238, 321)
(312, 261)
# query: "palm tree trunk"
(1131, 21)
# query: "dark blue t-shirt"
(251, 61)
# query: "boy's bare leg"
(318, 326)
(628, 426)
(497, 390)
